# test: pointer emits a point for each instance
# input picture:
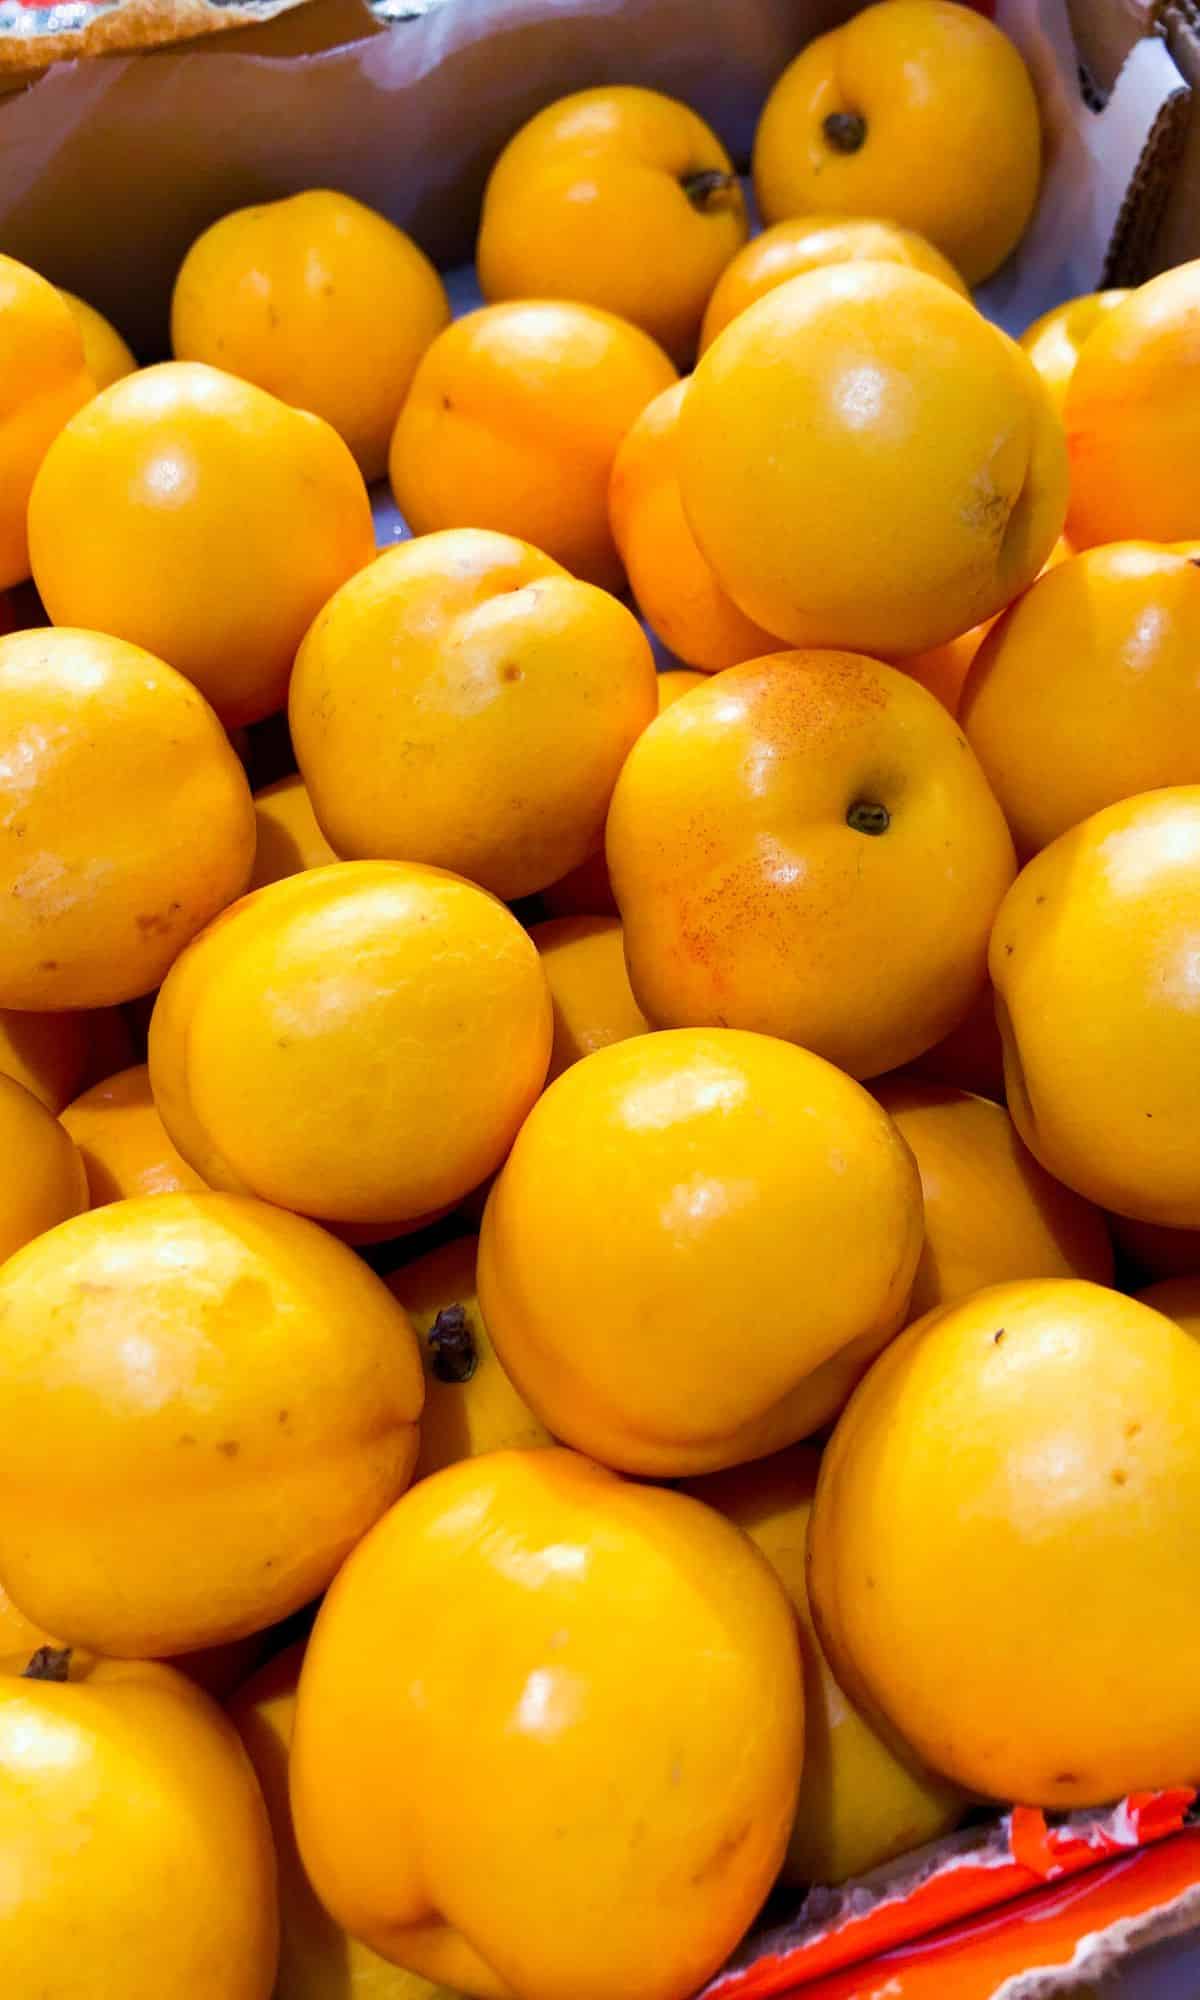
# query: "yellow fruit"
(48, 1053)
(44, 379)
(106, 356)
(809, 243)
(288, 837)
(42, 1178)
(123, 1142)
(584, 962)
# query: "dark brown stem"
(455, 1355)
(709, 188)
(845, 131)
(49, 1663)
(867, 816)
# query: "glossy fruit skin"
(218, 1670)
(123, 1142)
(465, 703)
(860, 1804)
(513, 421)
(333, 1045)
(810, 243)
(1037, 1443)
(317, 1959)
(992, 1214)
(674, 682)
(288, 838)
(183, 1355)
(157, 517)
(943, 670)
(750, 899)
(1092, 965)
(1087, 691)
(119, 1788)
(538, 1752)
(465, 1413)
(45, 380)
(1132, 418)
(952, 139)
(321, 301)
(125, 819)
(106, 355)
(584, 962)
(867, 462)
(1053, 343)
(48, 1053)
(676, 590)
(590, 201)
(42, 1180)
(769, 1229)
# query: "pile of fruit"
(672, 1206)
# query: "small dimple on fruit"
(845, 130)
(868, 816)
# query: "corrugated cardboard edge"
(1098, 1956)
(133, 24)
(1134, 243)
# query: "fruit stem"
(455, 1355)
(705, 188)
(49, 1663)
(866, 816)
(845, 130)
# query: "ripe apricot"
(203, 519)
(513, 421)
(619, 197)
(320, 300)
(360, 1042)
(179, 1357)
(676, 590)
(584, 962)
(1054, 341)
(48, 1053)
(441, 1807)
(470, 1407)
(867, 462)
(806, 846)
(134, 1836)
(106, 355)
(860, 1803)
(45, 380)
(696, 1245)
(1132, 417)
(464, 702)
(991, 1212)
(125, 819)
(1093, 962)
(42, 1179)
(1086, 691)
(1012, 1492)
(809, 243)
(287, 837)
(123, 1142)
(918, 110)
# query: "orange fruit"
(991, 1212)
(806, 846)
(513, 421)
(107, 357)
(861, 1803)
(465, 703)
(48, 1053)
(123, 1143)
(1132, 418)
(1039, 1445)
(918, 110)
(470, 1406)
(1054, 341)
(320, 300)
(583, 959)
(467, 1686)
(288, 838)
(649, 1187)
(125, 819)
(183, 1355)
(676, 590)
(943, 669)
(360, 1042)
(42, 1179)
(46, 379)
(1086, 691)
(867, 462)
(619, 197)
(674, 683)
(134, 1835)
(157, 516)
(1093, 963)
(808, 243)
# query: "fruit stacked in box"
(610, 1259)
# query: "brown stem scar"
(845, 130)
(452, 1344)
